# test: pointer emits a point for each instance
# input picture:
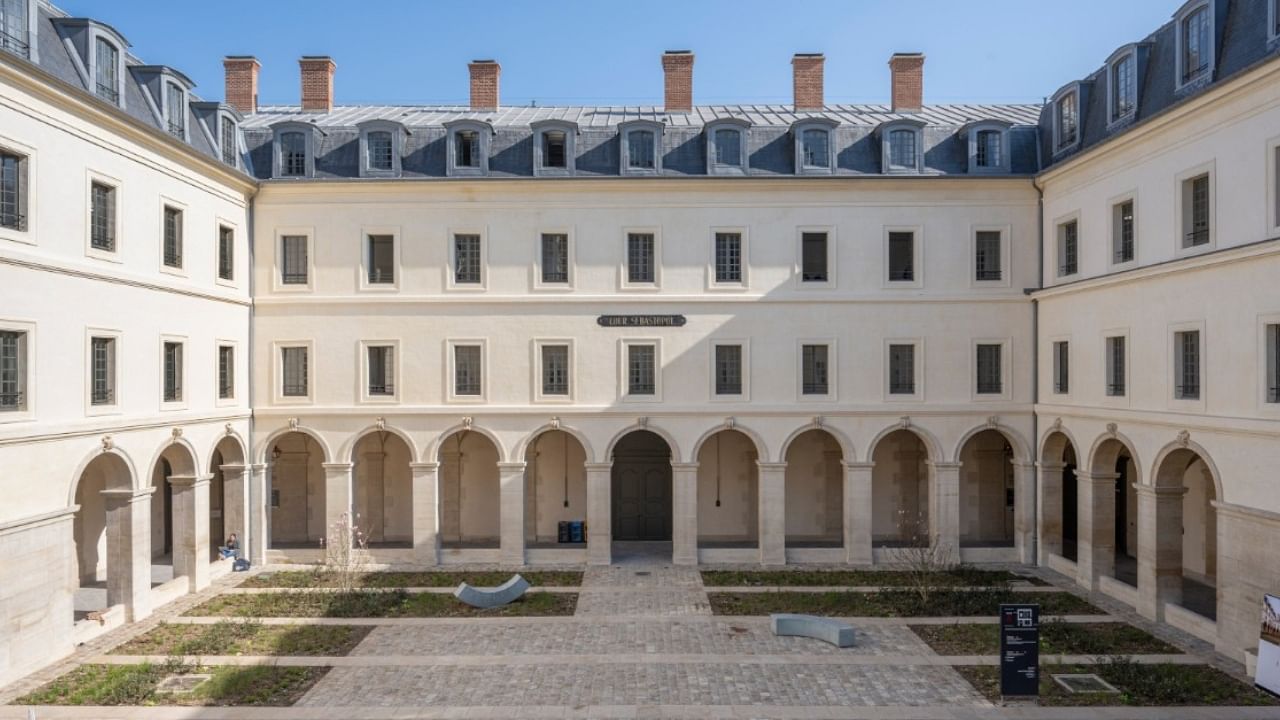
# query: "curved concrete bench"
(831, 631)
(506, 593)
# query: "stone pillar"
(337, 495)
(191, 529)
(599, 513)
(235, 506)
(1024, 511)
(259, 515)
(1247, 567)
(511, 513)
(426, 516)
(1049, 511)
(38, 580)
(1096, 527)
(129, 551)
(944, 505)
(857, 513)
(772, 508)
(1159, 548)
(684, 513)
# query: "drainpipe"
(250, 500)
(1035, 359)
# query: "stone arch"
(470, 508)
(555, 484)
(347, 450)
(648, 427)
(846, 445)
(901, 485)
(1054, 442)
(432, 452)
(1058, 528)
(95, 535)
(728, 487)
(382, 486)
(264, 450)
(181, 456)
(226, 517)
(1184, 567)
(813, 489)
(641, 485)
(1106, 450)
(233, 449)
(522, 447)
(1157, 480)
(762, 451)
(931, 445)
(1021, 451)
(130, 471)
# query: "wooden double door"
(642, 497)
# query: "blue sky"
(607, 52)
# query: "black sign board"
(640, 321)
(1019, 650)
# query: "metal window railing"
(177, 129)
(15, 44)
(987, 274)
(1199, 236)
(989, 387)
(902, 388)
(905, 273)
(1115, 389)
(1061, 387)
(1187, 392)
(1067, 269)
(814, 387)
(13, 221)
(172, 257)
(294, 278)
(1273, 394)
(382, 389)
(11, 400)
(103, 396)
(108, 93)
(295, 389)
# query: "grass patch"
(245, 637)
(958, 577)
(1139, 685)
(1056, 637)
(136, 685)
(892, 603)
(321, 579)
(377, 604)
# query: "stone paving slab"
(631, 619)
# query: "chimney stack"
(677, 72)
(241, 90)
(317, 82)
(807, 80)
(484, 84)
(907, 71)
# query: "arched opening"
(1186, 533)
(1119, 508)
(986, 491)
(814, 492)
(167, 538)
(555, 490)
(297, 517)
(95, 542)
(383, 490)
(641, 488)
(469, 492)
(1058, 528)
(227, 496)
(728, 492)
(217, 504)
(900, 490)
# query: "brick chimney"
(242, 82)
(807, 80)
(317, 82)
(907, 71)
(677, 72)
(484, 84)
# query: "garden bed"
(393, 579)
(136, 685)
(959, 577)
(376, 604)
(893, 603)
(1145, 685)
(245, 637)
(1056, 637)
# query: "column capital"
(233, 469)
(944, 465)
(1023, 464)
(1096, 477)
(684, 467)
(598, 466)
(511, 466)
(424, 466)
(771, 466)
(858, 465)
(189, 480)
(128, 495)
(1160, 492)
(1051, 466)
(336, 467)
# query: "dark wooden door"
(642, 499)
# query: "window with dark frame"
(466, 370)
(1186, 365)
(987, 256)
(226, 252)
(294, 372)
(1061, 367)
(380, 150)
(555, 258)
(728, 369)
(14, 32)
(728, 257)
(988, 150)
(382, 260)
(1124, 232)
(1196, 215)
(293, 154)
(466, 149)
(173, 372)
(102, 371)
(1195, 44)
(640, 258)
(1067, 120)
(902, 369)
(293, 260)
(1273, 362)
(815, 148)
(13, 190)
(902, 149)
(13, 371)
(728, 147)
(230, 145)
(466, 259)
(555, 370)
(642, 370)
(1068, 248)
(106, 79)
(382, 371)
(640, 149)
(554, 149)
(902, 260)
(226, 372)
(990, 380)
(172, 237)
(1123, 87)
(102, 217)
(814, 370)
(176, 109)
(813, 257)
(1115, 366)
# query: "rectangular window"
(294, 372)
(466, 149)
(814, 370)
(902, 149)
(813, 257)
(13, 191)
(728, 369)
(226, 252)
(1115, 366)
(990, 378)
(230, 144)
(1273, 363)
(1195, 211)
(1067, 120)
(988, 149)
(382, 370)
(728, 147)
(176, 109)
(173, 372)
(293, 154)
(728, 257)
(1195, 44)
(172, 237)
(226, 372)
(1186, 370)
(902, 257)
(555, 258)
(293, 261)
(380, 150)
(555, 370)
(102, 217)
(814, 149)
(1068, 248)
(466, 370)
(642, 370)
(1122, 232)
(13, 371)
(102, 371)
(107, 79)
(466, 259)
(986, 256)
(902, 369)
(1123, 87)
(554, 151)
(640, 149)
(640, 260)
(1061, 367)
(382, 259)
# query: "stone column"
(1024, 511)
(772, 508)
(259, 515)
(235, 506)
(944, 505)
(511, 513)
(129, 551)
(191, 529)
(1049, 511)
(684, 513)
(426, 516)
(857, 513)
(1096, 527)
(1159, 548)
(337, 495)
(599, 513)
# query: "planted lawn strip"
(423, 579)
(376, 604)
(136, 685)
(1139, 684)
(246, 637)
(892, 603)
(1056, 638)
(959, 577)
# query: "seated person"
(231, 548)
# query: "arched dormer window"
(1124, 71)
(468, 152)
(1196, 34)
(168, 93)
(229, 136)
(554, 147)
(381, 142)
(1065, 116)
(294, 149)
(727, 146)
(640, 143)
(99, 56)
(901, 146)
(814, 146)
(988, 142)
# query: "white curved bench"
(506, 593)
(825, 629)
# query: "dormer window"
(106, 74)
(228, 140)
(1195, 40)
(295, 144)
(468, 147)
(378, 150)
(988, 142)
(14, 31)
(1066, 119)
(380, 142)
(727, 147)
(554, 144)
(987, 153)
(175, 109)
(900, 146)
(813, 146)
(902, 149)
(640, 155)
(1124, 86)
(553, 147)
(641, 147)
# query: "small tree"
(345, 554)
(924, 557)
